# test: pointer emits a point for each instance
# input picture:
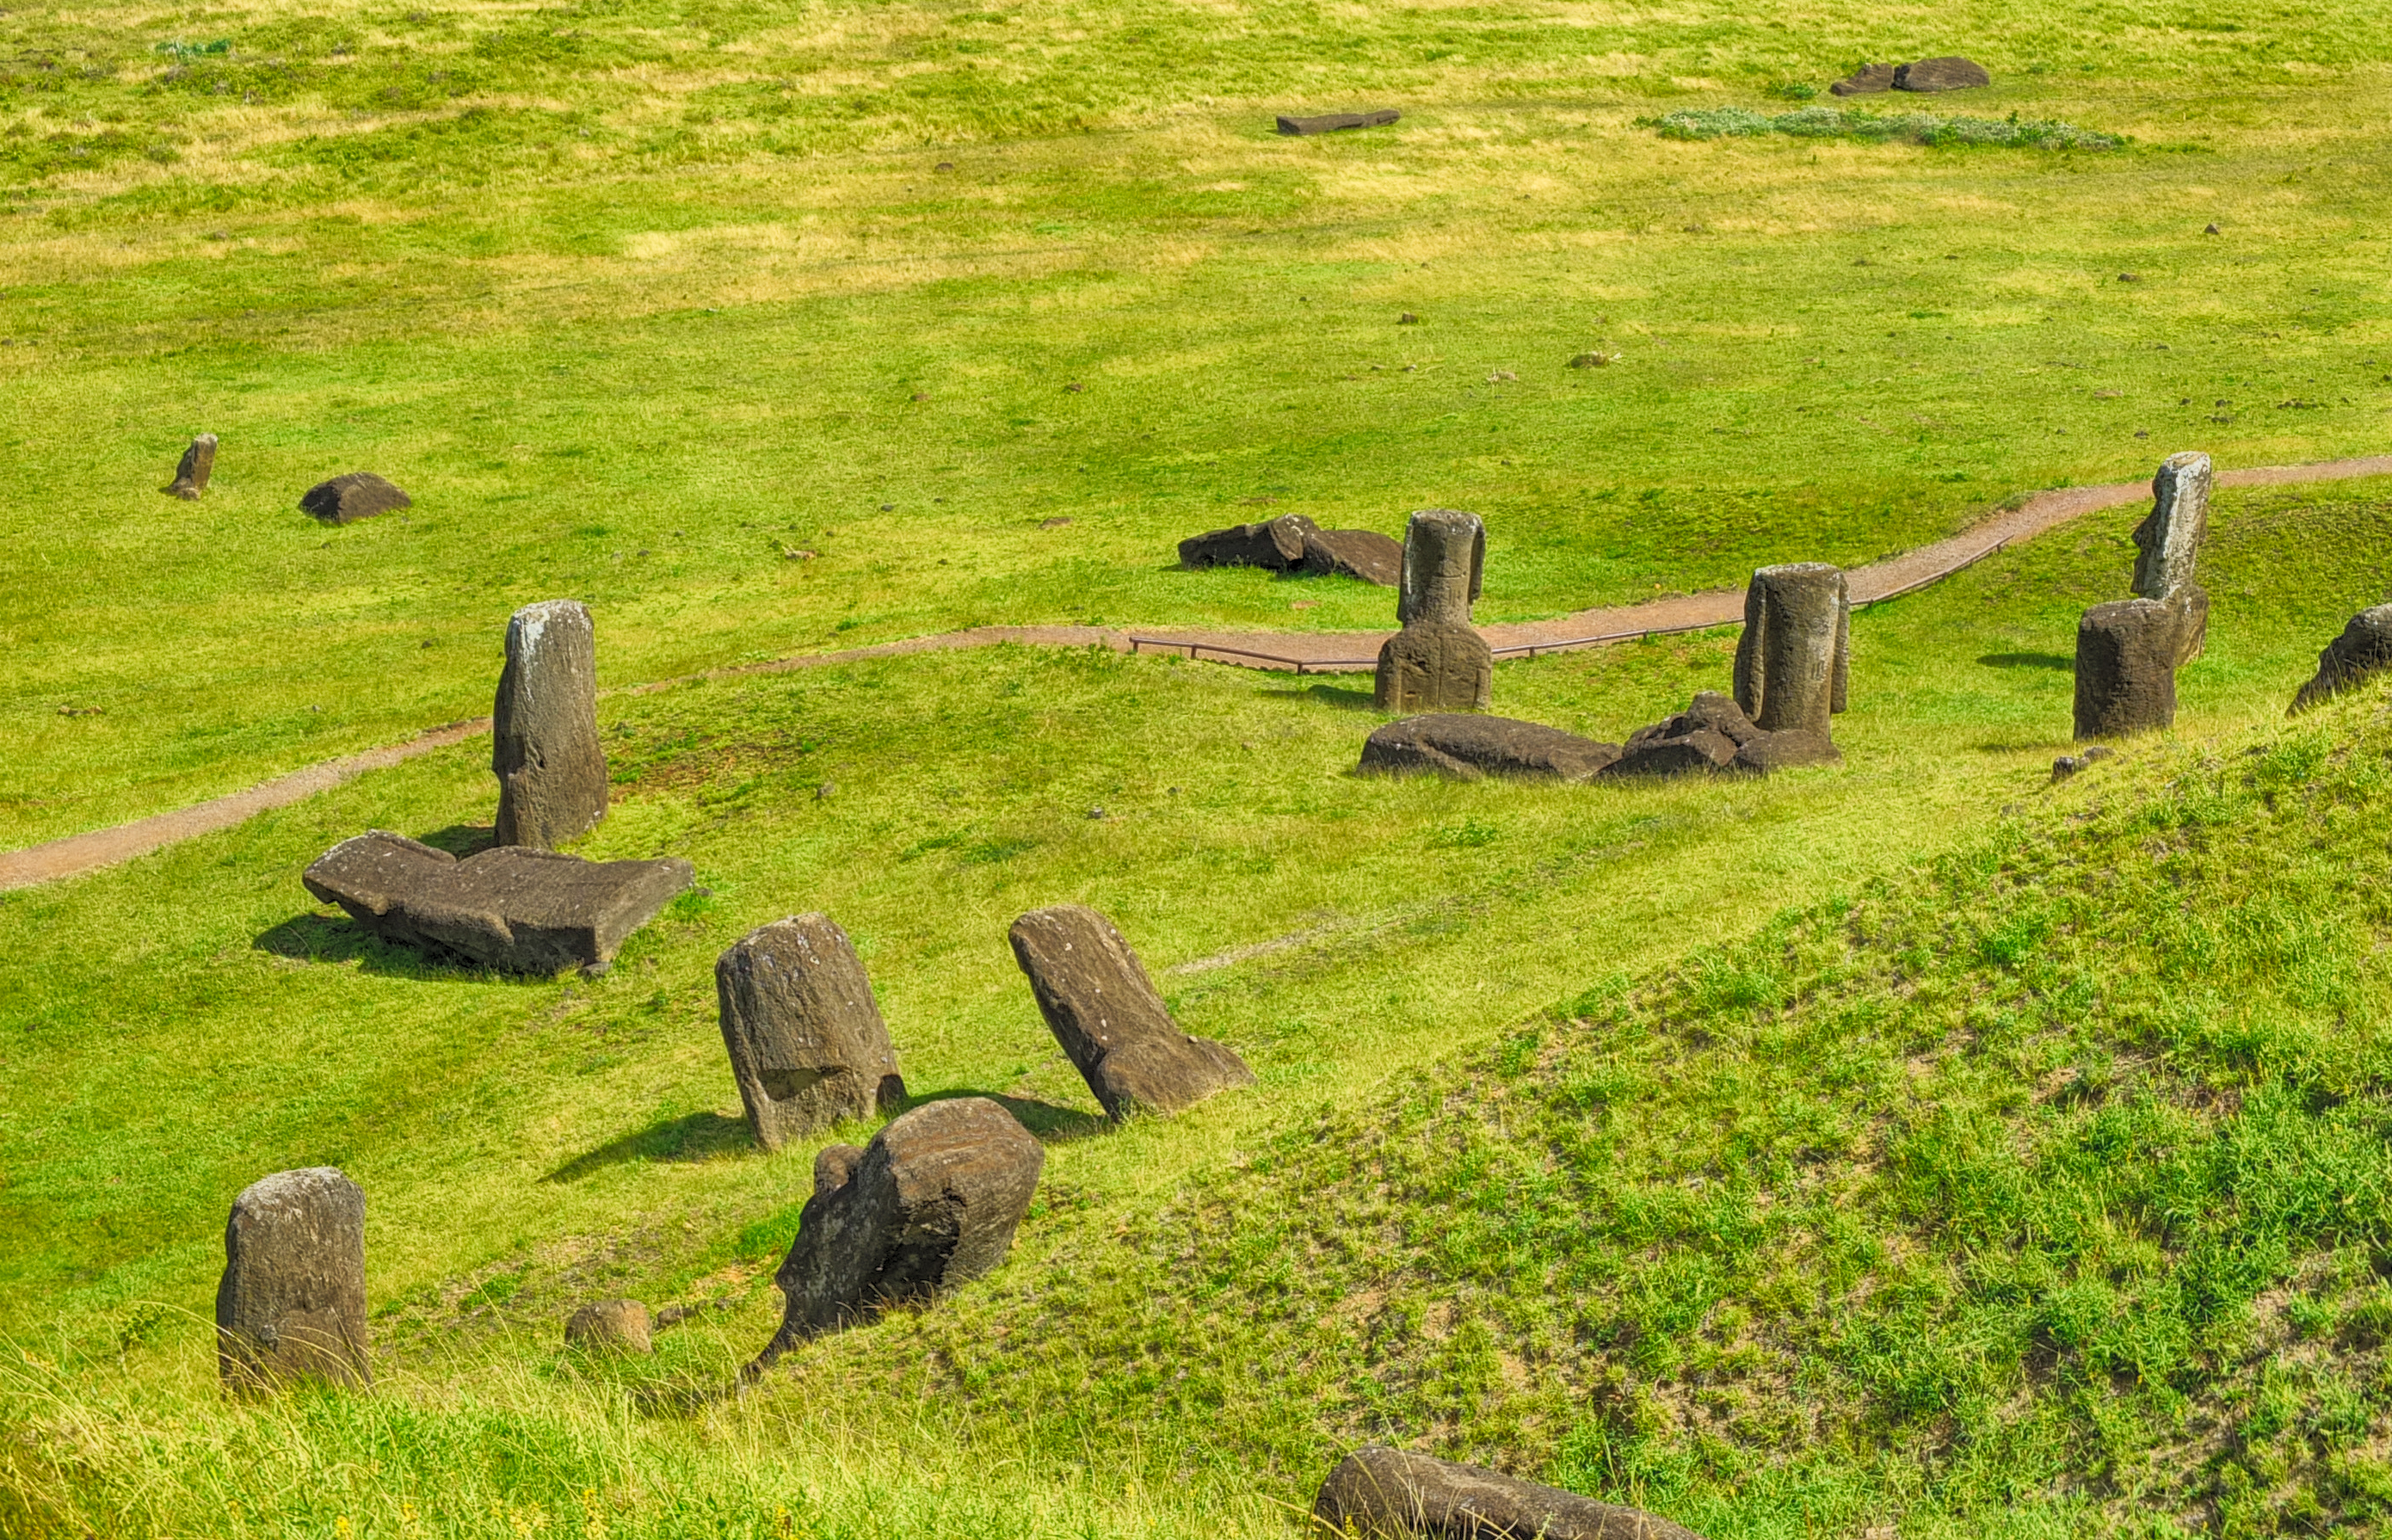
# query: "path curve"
(1304, 652)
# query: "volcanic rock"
(610, 1326)
(1792, 661)
(1276, 544)
(1698, 751)
(2125, 668)
(544, 745)
(1866, 80)
(191, 473)
(358, 495)
(1378, 1494)
(1467, 747)
(1332, 123)
(1941, 75)
(1363, 553)
(808, 1047)
(2362, 651)
(291, 1304)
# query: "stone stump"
(1378, 1494)
(1103, 1009)
(544, 729)
(610, 1326)
(2167, 546)
(1438, 662)
(191, 473)
(807, 1043)
(932, 1203)
(2125, 668)
(292, 1302)
(2362, 651)
(1793, 662)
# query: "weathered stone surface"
(191, 473)
(1941, 75)
(1775, 751)
(1103, 1009)
(517, 909)
(2125, 668)
(2167, 546)
(1430, 667)
(932, 1203)
(1379, 1493)
(807, 1043)
(544, 727)
(1277, 544)
(610, 1326)
(1708, 709)
(1692, 752)
(1331, 122)
(2069, 764)
(358, 495)
(2362, 651)
(1467, 747)
(292, 1301)
(1866, 80)
(1793, 659)
(1363, 553)
(1445, 559)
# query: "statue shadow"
(1050, 1124)
(1344, 697)
(464, 839)
(676, 1140)
(336, 939)
(2029, 660)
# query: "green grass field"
(1907, 1146)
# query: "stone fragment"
(1775, 751)
(292, 1302)
(932, 1203)
(1866, 80)
(1380, 1494)
(1276, 544)
(515, 910)
(1331, 122)
(1793, 659)
(1467, 747)
(2167, 546)
(1103, 1009)
(1951, 73)
(544, 745)
(610, 1326)
(2125, 668)
(1363, 553)
(191, 473)
(2069, 764)
(358, 495)
(2362, 651)
(1430, 667)
(1693, 753)
(1709, 709)
(807, 1044)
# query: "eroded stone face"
(1433, 668)
(1379, 1493)
(291, 1304)
(1444, 559)
(2167, 548)
(2125, 668)
(807, 1043)
(1792, 663)
(544, 745)
(2362, 651)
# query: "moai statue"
(2364, 651)
(292, 1302)
(192, 475)
(544, 731)
(1794, 661)
(1438, 662)
(2125, 668)
(2168, 547)
(807, 1043)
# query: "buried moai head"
(191, 473)
(2125, 668)
(2362, 651)
(1793, 662)
(291, 1304)
(544, 729)
(807, 1043)
(1444, 559)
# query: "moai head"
(544, 727)
(1444, 555)
(2167, 543)
(292, 1301)
(1793, 662)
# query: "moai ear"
(1477, 559)
(1840, 688)
(1745, 683)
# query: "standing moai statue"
(191, 473)
(807, 1043)
(292, 1302)
(1438, 662)
(2125, 668)
(544, 729)
(2168, 545)
(1793, 664)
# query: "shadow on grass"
(336, 938)
(1342, 696)
(677, 1141)
(1051, 1124)
(2029, 660)
(464, 839)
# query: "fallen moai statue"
(1713, 734)
(358, 495)
(1948, 73)
(1378, 1494)
(544, 744)
(1438, 662)
(1465, 747)
(1793, 662)
(292, 1301)
(191, 473)
(515, 910)
(1104, 1010)
(807, 1044)
(2362, 651)
(932, 1203)
(1866, 80)
(2167, 548)
(1294, 543)
(1332, 123)
(1363, 553)
(2125, 668)
(610, 1326)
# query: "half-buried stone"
(1105, 1011)
(1379, 1493)
(291, 1304)
(1275, 544)
(610, 1326)
(1949, 73)
(191, 473)
(1792, 663)
(1468, 747)
(1713, 734)
(807, 1043)
(1438, 662)
(932, 1203)
(2125, 668)
(544, 745)
(1866, 80)
(2362, 651)
(358, 495)
(518, 911)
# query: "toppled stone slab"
(1691, 753)
(291, 1304)
(1275, 544)
(932, 1203)
(1468, 747)
(1378, 1494)
(517, 909)
(1949, 73)
(2125, 668)
(807, 1043)
(1713, 734)
(1332, 123)
(1105, 1011)
(544, 745)
(1866, 80)
(191, 473)
(2362, 651)
(610, 1326)
(358, 495)
(1363, 553)
(1708, 709)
